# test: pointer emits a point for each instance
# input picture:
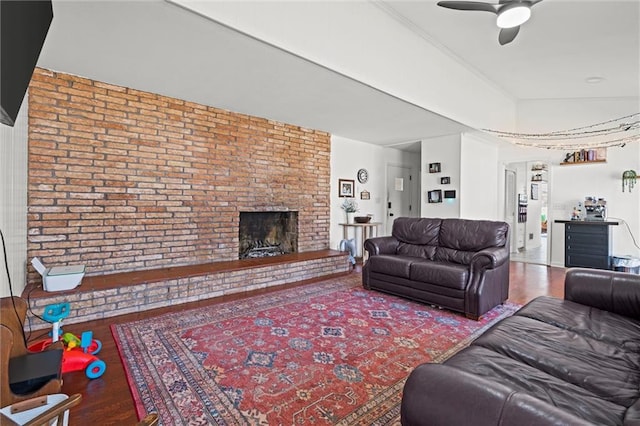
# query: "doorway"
(526, 210)
(400, 197)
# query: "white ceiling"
(564, 42)
(158, 47)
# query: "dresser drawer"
(587, 249)
(587, 261)
(587, 243)
(586, 229)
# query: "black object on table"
(28, 373)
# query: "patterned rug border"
(201, 315)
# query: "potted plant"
(350, 206)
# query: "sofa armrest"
(436, 394)
(615, 292)
(490, 258)
(381, 245)
(488, 281)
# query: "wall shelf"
(582, 162)
(538, 174)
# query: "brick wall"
(121, 179)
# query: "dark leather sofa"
(459, 264)
(571, 361)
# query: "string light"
(615, 132)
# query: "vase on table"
(350, 216)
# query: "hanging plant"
(629, 178)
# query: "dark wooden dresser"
(587, 243)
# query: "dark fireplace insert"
(268, 233)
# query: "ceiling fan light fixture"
(513, 15)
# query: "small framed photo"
(346, 188)
(365, 195)
(434, 167)
(445, 180)
(534, 191)
(450, 194)
(435, 196)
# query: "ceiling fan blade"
(529, 2)
(469, 5)
(507, 35)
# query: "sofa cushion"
(602, 325)
(444, 274)
(524, 378)
(568, 356)
(472, 235)
(444, 254)
(414, 250)
(419, 231)
(398, 266)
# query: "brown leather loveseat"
(459, 264)
(571, 361)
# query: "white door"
(399, 194)
(511, 205)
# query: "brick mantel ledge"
(103, 296)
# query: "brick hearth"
(123, 293)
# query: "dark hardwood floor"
(107, 400)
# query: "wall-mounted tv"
(23, 28)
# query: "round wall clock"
(363, 175)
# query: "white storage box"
(59, 278)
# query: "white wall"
(446, 151)
(570, 184)
(470, 162)
(13, 201)
(347, 157)
(361, 40)
(478, 179)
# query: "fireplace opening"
(264, 234)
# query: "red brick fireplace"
(147, 192)
(123, 180)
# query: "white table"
(368, 230)
(26, 416)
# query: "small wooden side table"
(368, 230)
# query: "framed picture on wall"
(534, 191)
(434, 196)
(445, 180)
(365, 195)
(346, 187)
(434, 167)
(450, 194)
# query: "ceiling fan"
(511, 14)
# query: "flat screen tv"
(23, 28)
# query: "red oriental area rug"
(321, 354)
